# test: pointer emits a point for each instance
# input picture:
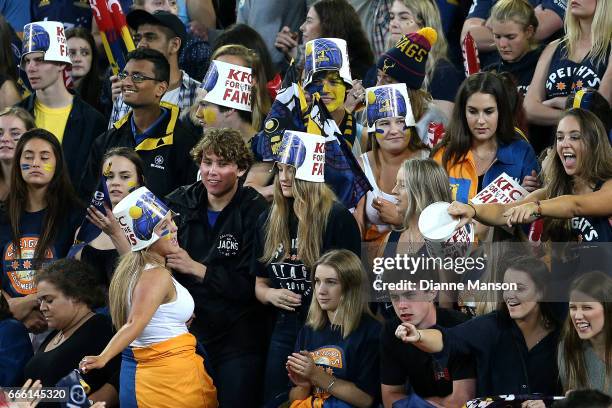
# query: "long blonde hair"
(124, 280)
(419, 173)
(601, 32)
(353, 303)
(427, 14)
(312, 204)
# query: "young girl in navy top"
(336, 355)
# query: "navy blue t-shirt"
(404, 364)
(446, 81)
(15, 352)
(354, 359)
(212, 217)
(516, 370)
(73, 13)
(291, 273)
(482, 8)
(522, 70)
(18, 268)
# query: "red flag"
(120, 23)
(108, 33)
(274, 86)
(470, 55)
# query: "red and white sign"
(471, 62)
(233, 86)
(504, 189)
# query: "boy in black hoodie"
(216, 223)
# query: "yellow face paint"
(165, 234)
(337, 89)
(210, 116)
(380, 133)
(49, 168)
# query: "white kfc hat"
(305, 152)
(228, 85)
(138, 214)
(47, 37)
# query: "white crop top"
(372, 216)
(169, 318)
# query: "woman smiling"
(585, 352)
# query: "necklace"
(487, 156)
(61, 333)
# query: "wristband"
(419, 332)
(473, 208)
(538, 213)
(331, 384)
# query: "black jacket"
(84, 125)
(225, 304)
(167, 163)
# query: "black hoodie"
(225, 303)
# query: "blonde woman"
(411, 200)
(149, 309)
(514, 25)
(442, 79)
(394, 139)
(336, 358)
(304, 221)
(580, 59)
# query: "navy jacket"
(225, 304)
(165, 155)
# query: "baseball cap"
(163, 18)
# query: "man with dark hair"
(150, 128)
(216, 225)
(404, 368)
(164, 32)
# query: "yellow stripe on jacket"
(462, 176)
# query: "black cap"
(136, 18)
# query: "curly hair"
(226, 143)
(75, 279)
